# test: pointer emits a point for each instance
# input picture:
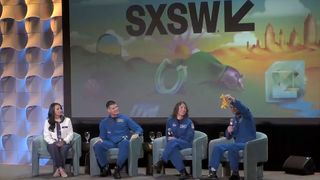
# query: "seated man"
(242, 128)
(115, 133)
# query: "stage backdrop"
(147, 55)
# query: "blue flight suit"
(244, 131)
(115, 133)
(183, 131)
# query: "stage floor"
(24, 172)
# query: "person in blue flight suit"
(179, 134)
(115, 133)
(242, 128)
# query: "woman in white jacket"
(58, 133)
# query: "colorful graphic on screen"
(147, 55)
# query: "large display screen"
(148, 55)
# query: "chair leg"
(68, 168)
(224, 169)
(94, 167)
(132, 166)
(196, 168)
(125, 169)
(260, 171)
(75, 165)
(161, 172)
(35, 167)
(250, 171)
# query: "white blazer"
(66, 131)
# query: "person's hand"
(100, 140)
(60, 143)
(171, 138)
(230, 129)
(230, 98)
(134, 136)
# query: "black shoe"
(184, 174)
(235, 177)
(158, 166)
(109, 172)
(116, 173)
(212, 174)
(105, 172)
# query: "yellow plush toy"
(224, 102)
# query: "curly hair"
(176, 109)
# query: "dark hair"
(109, 103)
(176, 109)
(51, 114)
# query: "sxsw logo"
(177, 22)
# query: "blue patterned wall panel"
(13, 34)
(31, 73)
(15, 9)
(13, 62)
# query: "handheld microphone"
(170, 133)
(231, 122)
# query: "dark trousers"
(58, 154)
